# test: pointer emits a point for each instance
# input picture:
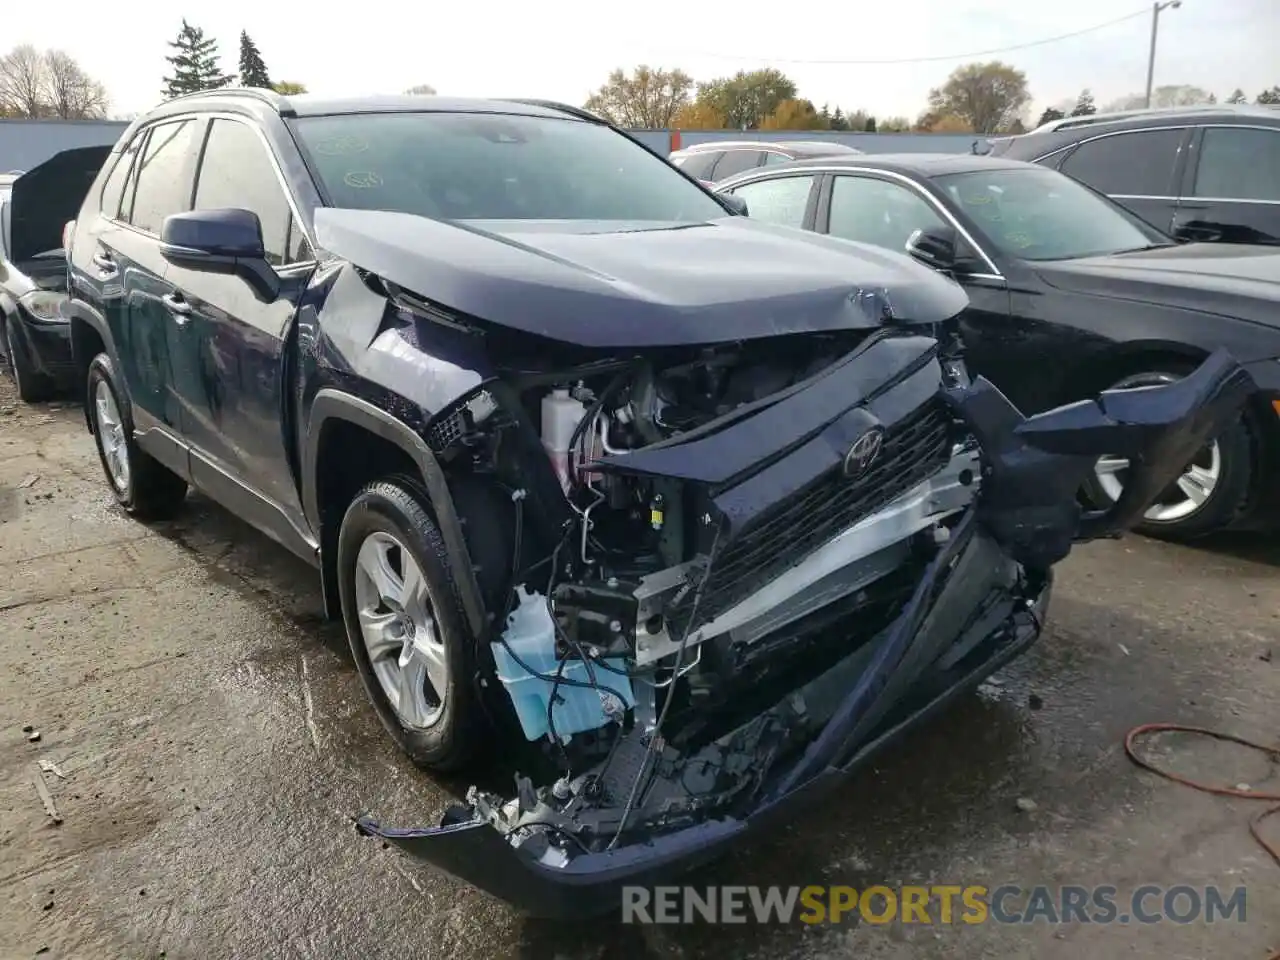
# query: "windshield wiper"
(1164, 245)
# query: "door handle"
(179, 307)
(106, 266)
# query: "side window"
(1239, 164)
(735, 161)
(699, 164)
(782, 200)
(771, 157)
(163, 187)
(878, 212)
(237, 172)
(1127, 164)
(113, 189)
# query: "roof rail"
(1067, 123)
(258, 93)
(579, 112)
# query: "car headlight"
(43, 304)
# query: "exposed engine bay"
(673, 599)
(732, 571)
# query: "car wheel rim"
(1186, 495)
(115, 446)
(399, 630)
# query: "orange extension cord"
(1255, 825)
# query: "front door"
(235, 403)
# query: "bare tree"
(22, 82)
(422, 90)
(70, 92)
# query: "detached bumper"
(47, 345)
(475, 852)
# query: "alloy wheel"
(111, 435)
(399, 630)
(1184, 496)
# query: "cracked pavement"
(216, 744)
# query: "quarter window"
(113, 189)
(1136, 164)
(164, 186)
(699, 164)
(237, 172)
(735, 161)
(782, 200)
(878, 212)
(1239, 164)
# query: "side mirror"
(934, 247)
(220, 241)
(735, 204)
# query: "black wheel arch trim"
(334, 404)
(79, 310)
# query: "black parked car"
(1069, 294)
(689, 512)
(1205, 174)
(721, 159)
(35, 336)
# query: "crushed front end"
(734, 573)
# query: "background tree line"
(985, 98)
(49, 84)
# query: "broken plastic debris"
(28, 481)
(46, 797)
(48, 766)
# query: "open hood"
(45, 198)
(611, 284)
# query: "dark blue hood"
(642, 285)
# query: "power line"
(949, 56)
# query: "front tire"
(408, 633)
(143, 486)
(1212, 491)
(32, 386)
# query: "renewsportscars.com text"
(937, 904)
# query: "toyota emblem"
(863, 453)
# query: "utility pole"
(1155, 27)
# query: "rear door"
(119, 269)
(1232, 192)
(235, 400)
(1139, 169)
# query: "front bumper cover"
(997, 561)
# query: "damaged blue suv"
(684, 513)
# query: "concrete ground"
(216, 743)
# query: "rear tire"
(141, 484)
(1231, 467)
(32, 387)
(408, 633)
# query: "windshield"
(476, 166)
(1039, 214)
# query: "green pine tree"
(253, 72)
(195, 63)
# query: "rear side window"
(164, 186)
(1239, 164)
(1138, 164)
(735, 161)
(113, 189)
(237, 172)
(699, 164)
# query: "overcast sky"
(563, 50)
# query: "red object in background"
(675, 141)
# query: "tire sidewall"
(391, 508)
(102, 370)
(1235, 446)
(19, 369)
